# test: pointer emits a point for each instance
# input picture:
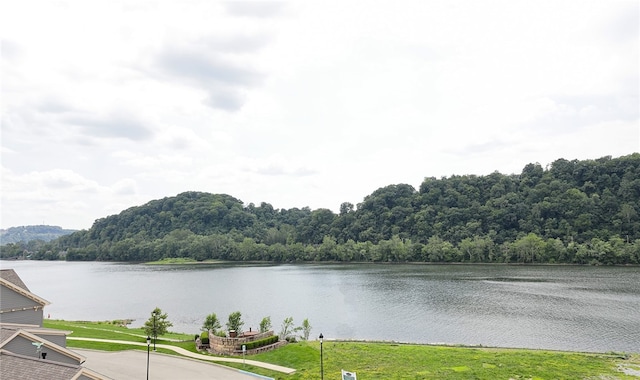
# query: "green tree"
(235, 322)
(316, 226)
(555, 251)
(265, 324)
(288, 329)
(306, 329)
(457, 219)
(327, 250)
(627, 214)
(438, 250)
(529, 248)
(157, 324)
(211, 323)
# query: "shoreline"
(189, 261)
(375, 359)
(372, 341)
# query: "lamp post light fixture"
(148, 344)
(321, 358)
(155, 334)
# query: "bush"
(204, 337)
(260, 343)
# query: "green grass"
(404, 361)
(109, 330)
(102, 346)
(388, 361)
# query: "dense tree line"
(570, 212)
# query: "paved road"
(132, 365)
(189, 354)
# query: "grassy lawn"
(389, 361)
(110, 330)
(393, 361)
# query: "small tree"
(306, 329)
(265, 324)
(211, 323)
(235, 322)
(287, 329)
(157, 324)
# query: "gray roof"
(11, 276)
(7, 330)
(10, 279)
(19, 367)
(24, 334)
(34, 329)
(6, 334)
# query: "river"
(574, 308)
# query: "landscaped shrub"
(204, 337)
(259, 343)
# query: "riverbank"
(189, 261)
(379, 360)
(588, 309)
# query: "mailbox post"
(244, 351)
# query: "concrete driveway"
(132, 365)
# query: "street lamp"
(321, 358)
(148, 344)
(155, 334)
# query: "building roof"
(33, 329)
(5, 334)
(11, 276)
(6, 338)
(13, 282)
(18, 367)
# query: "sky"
(107, 105)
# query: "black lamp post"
(321, 358)
(148, 344)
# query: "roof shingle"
(19, 367)
(11, 276)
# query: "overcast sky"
(108, 105)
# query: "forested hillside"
(584, 212)
(30, 233)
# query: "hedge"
(259, 343)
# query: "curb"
(189, 354)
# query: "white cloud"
(57, 196)
(110, 104)
(125, 186)
(152, 162)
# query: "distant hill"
(28, 233)
(574, 211)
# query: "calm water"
(553, 307)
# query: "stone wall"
(233, 346)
